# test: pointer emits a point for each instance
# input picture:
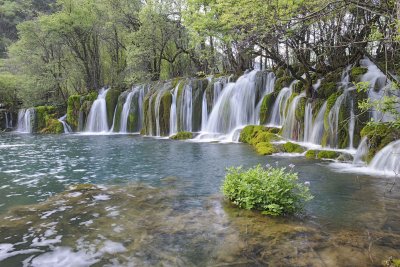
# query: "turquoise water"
(167, 192)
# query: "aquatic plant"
(273, 191)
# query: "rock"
(182, 136)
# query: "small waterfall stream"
(279, 108)
(173, 122)
(25, 117)
(67, 128)
(185, 111)
(308, 122)
(97, 118)
(318, 126)
(290, 127)
(361, 152)
(387, 159)
(204, 112)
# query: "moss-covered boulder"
(253, 134)
(165, 109)
(311, 154)
(46, 120)
(356, 73)
(327, 154)
(73, 107)
(282, 82)
(111, 103)
(290, 147)
(328, 85)
(265, 148)
(182, 136)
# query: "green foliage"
(182, 136)
(111, 103)
(282, 82)
(292, 148)
(273, 191)
(73, 107)
(266, 107)
(46, 120)
(357, 72)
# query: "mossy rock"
(182, 136)
(311, 154)
(327, 154)
(379, 135)
(265, 148)
(165, 109)
(356, 73)
(266, 107)
(292, 148)
(326, 89)
(111, 103)
(300, 110)
(73, 107)
(282, 82)
(251, 131)
(53, 126)
(263, 137)
(299, 87)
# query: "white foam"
(64, 257)
(112, 247)
(101, 197)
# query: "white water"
(235, 108)
(157, 110)
(352, 124)
(269, 89)
(279, 109)
(25, 117)
(308, 122)
(318, 126)
(388, 159)
(9, 120)
(125, 112)
(186, 108)
(204, 112)
(291, 129)
(218, 87)
(361, 152)
(97, 119)
(173, 121)
(67, 128)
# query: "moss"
(111, 103)
(299, 87)
(379, 135)
(329, 104)
(292, 148)
(165, 109)
(327, 154)
(182, 136)
(249, 132)
(53, 126)
(311, 154)
(300, 110)
(265, 148)
(282, 82)
(266, 107)
(83, 187)
(326, 89)
(280, 72)
(356, 73)
(73, 107)
(260, 137)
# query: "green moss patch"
(182, 136)
(356, 73)
(265, 148)
(292, 148)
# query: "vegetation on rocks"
(290, 147)
(182, 136)
(273, 191)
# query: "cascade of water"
(97, 118)
(235, 107)
(173, 118)
(157, 104)
(8, 120)
(279, 108)
(361, 152)
(186, 108)
(352, 124)
(204, 112)
(126, 110)
(268, 89)
(333, 121)
(308, 122)
(24, 120)
(218, 86)
(67, 128)
(378, 83)
(291, 128)
(387, 159)
(318, 126)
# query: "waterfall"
(279, 108)
(218, 86)
(125, 112)
(318, 126)
(25, 117)
(352, 124)
(308, 122)
(67, 128)
(157, 104)
(361, 152)
(9, 120)
(97, 118)
(387, 159)
(291, 128)
(333, 121)
(204, 112)
(268, 89)
(186, 108)
(378, 82)
(173, 121)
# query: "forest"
(53, 49)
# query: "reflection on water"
(157, 202)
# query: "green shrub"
(182, 136)
(273, 191)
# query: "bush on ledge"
(182, 136)
(272, 191)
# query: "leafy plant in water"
(274, 191)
